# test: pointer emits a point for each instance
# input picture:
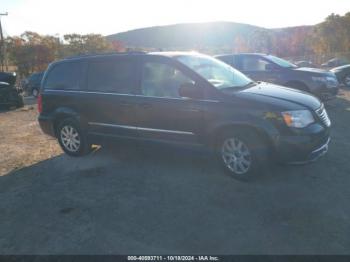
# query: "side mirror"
(190, 90)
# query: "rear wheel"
(347, 80)
(241, 153)
(72, 139)
(35, 92)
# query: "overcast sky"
(108, 17)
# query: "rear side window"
(252, 63)
(227, 59)
(64, 76)
(117, 76)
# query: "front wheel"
(72, 139)
(241, 154)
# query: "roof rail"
(106, 54)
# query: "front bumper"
(303, 148)
(314, 155)
(329, 94)
(325, 92)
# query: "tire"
(20, 102)
(242, 154)
(72, 139)
(35, 92)
(346, 80)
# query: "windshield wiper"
(252, 83)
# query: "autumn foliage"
(32, 52)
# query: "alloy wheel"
(236, 156)
(70, 138)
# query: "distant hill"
(190, 35)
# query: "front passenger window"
(254, 64)
(162, 80)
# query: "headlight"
(330, 81)
(298, 118)
(323, 78)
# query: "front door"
(259, 69)
(161, 112)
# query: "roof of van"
(115, 54)
(260, 54)
(175, 53)
(163, 53)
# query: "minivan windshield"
(281, 62)
(219, 74)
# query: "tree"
(76, 44)
(32, 52)
(240, 44)
(118, 46)
(333, 35)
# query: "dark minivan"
(180, 97)
(272, 69)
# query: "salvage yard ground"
(132, 199)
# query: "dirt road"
(137, 199)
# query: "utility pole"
(2, 44)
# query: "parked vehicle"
(268, 68)
(32, 85)
(343, 74)
(9, 95)
(335, 62)
(305, 64)
(184, 98)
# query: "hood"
(284, 94)
(339, 68)
(312, 70)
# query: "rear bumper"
(47, 125)
(12, 97)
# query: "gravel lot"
(137, 199)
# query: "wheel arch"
(217, 132)
(64, 113)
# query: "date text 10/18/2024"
(173, 258)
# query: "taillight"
(40, 103)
